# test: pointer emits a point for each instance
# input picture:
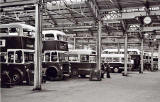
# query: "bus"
(116, 62)
(134, 53)
(16, 53)
(82, 61)
(55, 55)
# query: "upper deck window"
(59, 37)
(47, 56)
(3, 30)
(54, 56)
(3, 57)
(27, 32)
(11, 56)
(14, 31)
(18, 57)
(49, 36)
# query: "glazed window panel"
(116, 59)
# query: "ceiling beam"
(71, 13)
(17, 3)
(52, 18)
(94, 9)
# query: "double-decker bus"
(16, 53)
(134, 53)
(55, 55)
(116, 62)
(82, 61)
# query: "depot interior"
(92, 25)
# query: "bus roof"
(82, 51)
(56, 32)
(112, 55)
(121, 50)
(23, 25)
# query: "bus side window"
(3, 57)
(11, 57)
(18, 57)
(73, 57)
(84, 58)
(54, 56)
(108, 59)
(47, 56)
(92, 58)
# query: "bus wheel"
(51, 74)
(116, 70)
(17, 76)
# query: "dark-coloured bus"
(82, 61)
(16, 53)
(55, 55)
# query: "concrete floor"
(133, 88)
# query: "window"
(122, 59)
(92, 58)
(73, 57)
(11, 57)
(3, 30)
(54, 56)
(61, 57)
(116, 59)
(29, 57)
(108, 59)
(60, 37)
(28, 32)
(49, 36)
(18, 57)
(14, 31)
(2, 57)
(84, 58)
(47, 56)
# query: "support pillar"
(142, 53)
(125, 55)
(38, 45)
(159, 56)
(96, 73)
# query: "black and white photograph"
(79, 50)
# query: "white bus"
(134, 53)
(82, 61)
(116, 62)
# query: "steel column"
(159, 56)
(125, 55)
(142, 52)
(152, 50)
(99, 45)
(37, 58)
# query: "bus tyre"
(116, 70)
(17, 76)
